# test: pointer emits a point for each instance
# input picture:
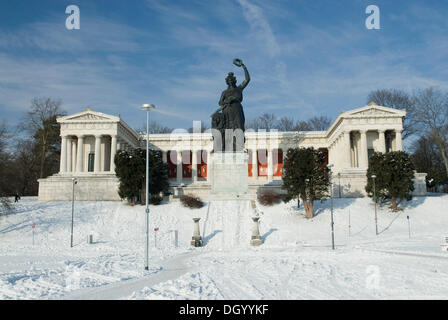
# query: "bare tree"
(427, 158)
(266, 121)
(286, 124)
(302, 126)
(5, 203)
(40, 122)
(431, 118)
(253, 124)
(321, 123)
(3, 136)
(4, 158)
(25, 168)
(269, 121)
(396, 99)
(154, 127)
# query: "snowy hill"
(294, 262)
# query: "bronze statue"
(230, 115)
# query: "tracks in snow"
(172, 269)
(227, 224)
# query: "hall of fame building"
(91, 139)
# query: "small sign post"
(409, 227)
(155, 236)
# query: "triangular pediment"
(373, 110)
(89, 115)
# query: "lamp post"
(147, 108)
(74, 181)
(374, 195)
(339, 176)
(330, 166)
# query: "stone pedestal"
(255, 239)
(229, 177)
(91, 187)
(196, 240)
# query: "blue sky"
(305, 58)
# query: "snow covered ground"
(296, 260)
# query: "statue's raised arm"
(239, 63)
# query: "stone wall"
(101, 187)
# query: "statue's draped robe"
(232, 114)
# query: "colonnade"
(345, 153)
(74, 153)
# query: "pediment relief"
(88, 116)
(375, 112)
(372, 112)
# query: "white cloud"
(95, 35)
(260, 26)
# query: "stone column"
(337, 153)
(381, 141)
(179, 167)
(346, 150)
(398, 141)
(164, 156)
(363, 150)
(97, 163)
(113, 151)
(270, 164)
(69, 154)
(80, 154)
(210, 156)
(254, 163)
(63, 160)
(356, 159)
(73, 159)
(194, 166)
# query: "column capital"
(381, 130)
(80, 136)
(98, 136)
(362, 131)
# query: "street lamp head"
(373, 176)
(74, 180)
(329, 166)
(147, 107)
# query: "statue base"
(256, 241)
(229, 177)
